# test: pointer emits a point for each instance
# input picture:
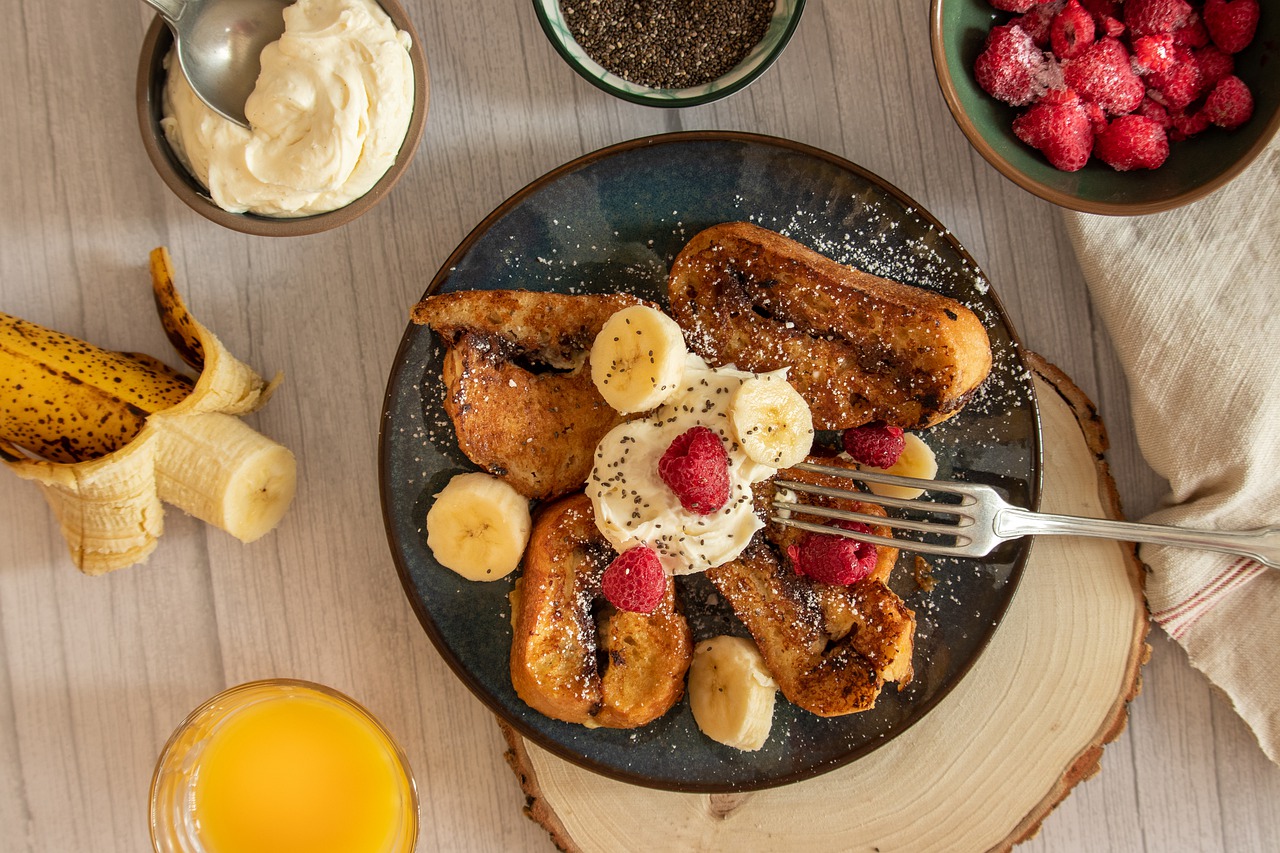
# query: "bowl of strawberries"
(1109, 106)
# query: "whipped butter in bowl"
(335, 117)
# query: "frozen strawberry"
(1187, 125)
(1154, 53)
(1154, 111)
(833, 559)
(1037, 20)
(876, 444)
(635, 580)
(696, 468)
(1214, 64)
(1058, 125)
(1146, 17)
(1071, 31)
(1132, 142)
(1192, 34)
(1010, 66)
(1181, 84)
(1103, 74)
(1231, 23)
(1097, 117)
(1230, 104)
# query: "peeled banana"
(772, 421)
(109, 437)
(731, 693)
(917, 460)
(637, 359)
(478, 527)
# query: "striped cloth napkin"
(1191, 299)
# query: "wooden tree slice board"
(984, 768)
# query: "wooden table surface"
(96, 672)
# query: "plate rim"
(480, 691)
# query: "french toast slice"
(831, 649)
(518, 382)
(860, 347)
(573, 656)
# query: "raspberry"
(1036, 21)
(876, 444)
(1177, 87)
(1230, 104)
(1154, 53)
(696, 468)
(1009, 66)
(1231, 23)
(833, 559)
(1214, 64)
(1145, 17)
(1059, 127)
(1156, 112)
(635, 580)
(1103, 74)
(1132, 142)
(1187, 125)
(1071, 31)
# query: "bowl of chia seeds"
(669, 53)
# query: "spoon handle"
(170, 10)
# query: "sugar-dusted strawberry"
(876, 444)
(696, 468)
(1155, 111)
(1146, 17)
(1132, 142)
(833, 559)
(1187, 125)
(635, 580)
(1010, 66)
(1214, 64)
(1154, 53)
(1192, 34)
(1103, 74)
(1180, 84)
(1058, 125)
(1037, 20)
(1231, 23)
(1071, 31)
(1230, 104)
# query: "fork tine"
(956, 530)
(912, 545)
(881, 500)
(964, 489)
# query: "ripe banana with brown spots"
(109, 436)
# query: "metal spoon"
(219, 43)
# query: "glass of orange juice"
(282, 766)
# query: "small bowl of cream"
(335, 119)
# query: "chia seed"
(668, 44)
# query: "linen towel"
(1191, 299)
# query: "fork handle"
(1261, 544)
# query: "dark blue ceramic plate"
(614, 220)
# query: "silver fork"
(983, 519)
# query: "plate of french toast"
(613, 400)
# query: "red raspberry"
(1036, 21)
(1192, 34)
(1154, 53)
(1230, 104)
(1059, 127)
(1071, 31)
(1010, 66)
(1132, 142)
(1231, 23)
(1187, 125)
(1145, 17)
(696, 468)
(1156, 112)
(1214, 64)
(635, 580)
(876, 444)
(1103, 74)
(1177, 87)
(834, 559)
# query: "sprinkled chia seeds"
(668, 44)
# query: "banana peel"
(196, 455)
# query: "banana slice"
(637, 360)
(773, 423)
(731, 693)
(917, 460)
(478, 527)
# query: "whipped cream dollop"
(327, 118)
(634, 507)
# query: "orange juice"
(283, 767)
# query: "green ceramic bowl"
(1195, 168)
(786, 16)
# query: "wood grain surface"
(95, 672)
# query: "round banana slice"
(637, 360)
(772, 421)
(731, 693)
(478, 527)
(917, 460)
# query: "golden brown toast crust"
(576, 659)
(860, 347)
(537, 429)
